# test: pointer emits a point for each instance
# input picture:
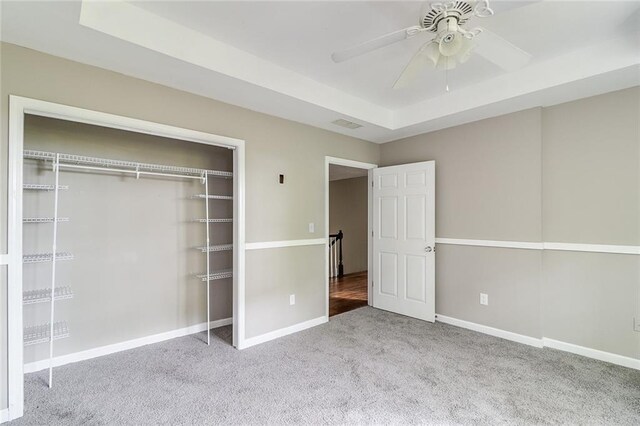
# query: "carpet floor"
(365, 366)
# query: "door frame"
(357, 165)
(18, 107)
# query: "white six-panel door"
(404, 239)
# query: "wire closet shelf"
(95, 163)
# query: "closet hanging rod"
(105, 164)
(212, 197)
(133, 172)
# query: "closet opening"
(131, 233)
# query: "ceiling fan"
(453, 42)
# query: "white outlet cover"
(484, 299)
(312, 227)
(292, 299)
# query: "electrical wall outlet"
(292, 299)
(636, 324)
(312, 227)
(484, 299)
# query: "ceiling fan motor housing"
(461, 10)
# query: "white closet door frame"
(18, 107)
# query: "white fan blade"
(374, 44)
(499, 51)
(417, 64)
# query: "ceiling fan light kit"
(449, 37)
(452, 45)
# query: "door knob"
(428, 249)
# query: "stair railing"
(336, 268)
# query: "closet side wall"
(4, 176)
(133, 239)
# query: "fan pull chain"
(446, 76)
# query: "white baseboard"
(520, 338)
(123, 346)
(544, 342)
(4, 415)
(252, 341)
(625, 361)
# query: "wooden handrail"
(333, 238)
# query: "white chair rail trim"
(284, 243)
(525, 245)
(593, 248)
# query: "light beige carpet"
(365, 366)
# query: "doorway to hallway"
(348, 238)
(347, 293)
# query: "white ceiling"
(301, 36)
(338, 172)
(274, 57)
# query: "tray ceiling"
(274, 57)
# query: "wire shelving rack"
(53, 330)
(42, 333)
(30, 297)
(72, 161)
(219, 247)
(46, 257)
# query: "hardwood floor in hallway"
(347, 293)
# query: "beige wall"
(590, 299)
(511, 278)
(591, 194)
(567, 173)
(273, 146)
(488, 183)
(591, 152)
(348, 211)
(292, 270)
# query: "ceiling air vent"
(346, 123)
